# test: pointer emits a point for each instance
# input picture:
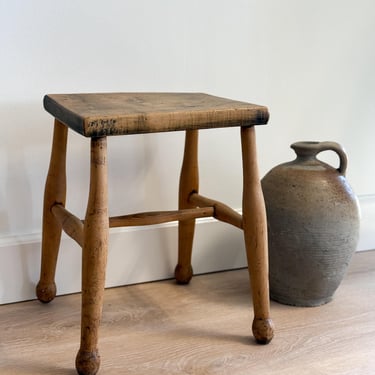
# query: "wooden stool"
(100, 115)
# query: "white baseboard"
(367, 228)
(135, 255)
(138, 255)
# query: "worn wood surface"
(55, 192)
(221, 212)
(203, 328)
(99, 115)
(94, 259)
(133, 113)
(158, 217)
(189, 183)
(254, 223)
(71, 224)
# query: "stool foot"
(46, 292)
(87, 363)
(263, 330)
(183, 274)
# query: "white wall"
(310, 62)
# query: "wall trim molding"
(133, 257)
(367, 228)
(36, 237)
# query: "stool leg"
(55, 192)
(94, 259)
(189, 182)
(255, 232)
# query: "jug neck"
(307, 151)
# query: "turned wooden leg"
(55, 192)
(189, 182)
(255, 232)
(94, 259)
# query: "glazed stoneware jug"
(313, 225)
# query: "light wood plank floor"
(203, 328)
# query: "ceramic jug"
(313, 225)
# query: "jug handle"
(336, 147)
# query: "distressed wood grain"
(100, 114)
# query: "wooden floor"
(203, 328)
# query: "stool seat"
(95, 115)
